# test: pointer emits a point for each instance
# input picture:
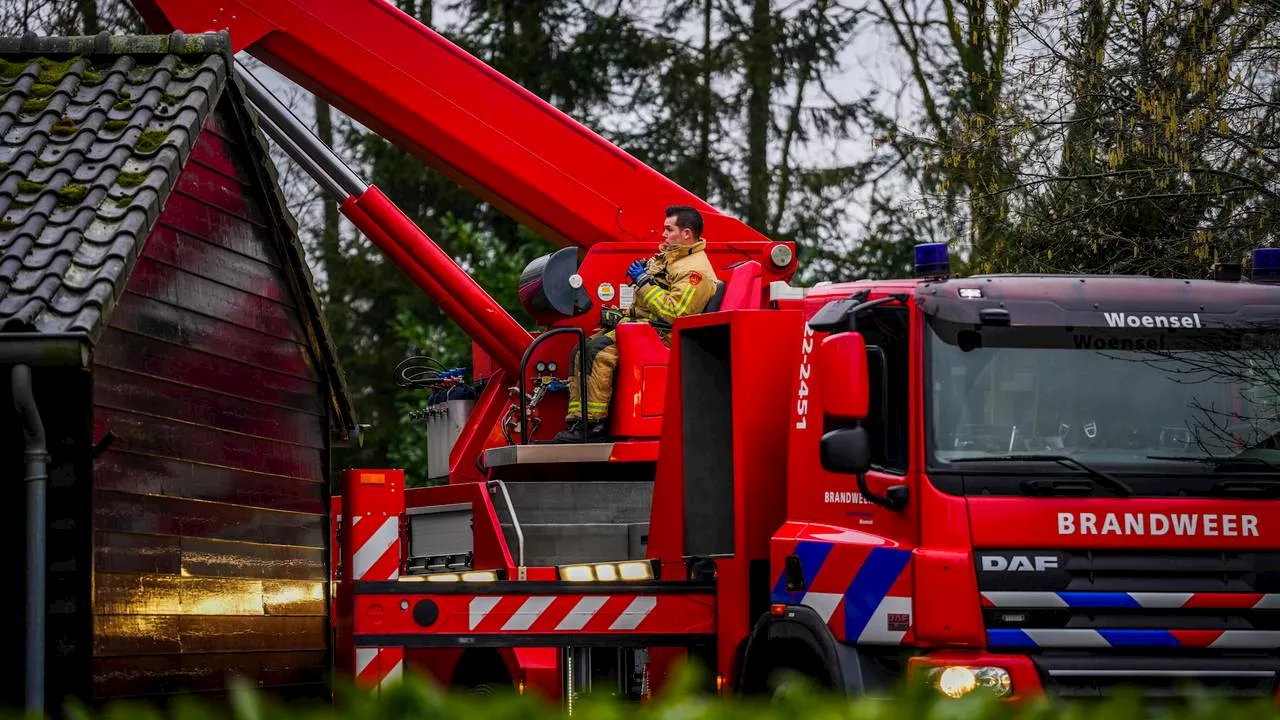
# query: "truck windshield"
(1120, 401)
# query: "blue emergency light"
(1266, 265)
(932, 260)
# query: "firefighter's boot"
(577, 432)
(602, 359)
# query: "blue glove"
(637, 271)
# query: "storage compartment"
(440, 538)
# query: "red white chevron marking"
(373, 504)
(640, 613)
(377, 555)
(558, 613)
(379, 667)
(583, 611)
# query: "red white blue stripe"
(1132, 638)
(1148, 600)
(1082, 638)
(862, 592)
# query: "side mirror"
(842, 368)
(847, 450)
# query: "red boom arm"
(412, 86)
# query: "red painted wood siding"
(209, 540)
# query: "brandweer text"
(1203, 524)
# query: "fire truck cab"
(1034, 484)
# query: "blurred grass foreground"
(684, 699)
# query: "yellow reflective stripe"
(685, 299)
(670, 309)
(649, 292)
(597, 406)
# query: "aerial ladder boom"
(412, 86)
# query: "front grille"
(1038, 599)
(1128, 571)
(1157, 677)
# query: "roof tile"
(89, 144)
(93, 134)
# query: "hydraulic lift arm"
(409, 84)
(403, 242)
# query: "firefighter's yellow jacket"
(681, 282)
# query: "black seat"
(713, 305)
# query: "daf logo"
(1019, 563)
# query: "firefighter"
(678, 280)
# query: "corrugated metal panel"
(444, 530)
(209, 523)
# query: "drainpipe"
(36, 479)
(22, 350)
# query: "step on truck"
(1025, 484)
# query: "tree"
(69, 17)
(947, 153)
(1165, 146)
(1111, 136)
(740, 114)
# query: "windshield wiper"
(1260, 487)
(1107, 479)
(1219, 462)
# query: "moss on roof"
(150, 141)
(34, 105)
(128, 178)
(64, 126)
(72, 194)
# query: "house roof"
(94, 132)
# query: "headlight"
(956, 681)
(630, 570)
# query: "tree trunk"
(702, 181)
(89, 13)
(759, 66)
(330, 250)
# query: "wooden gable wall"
(209, 511)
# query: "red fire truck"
(1030, 484)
